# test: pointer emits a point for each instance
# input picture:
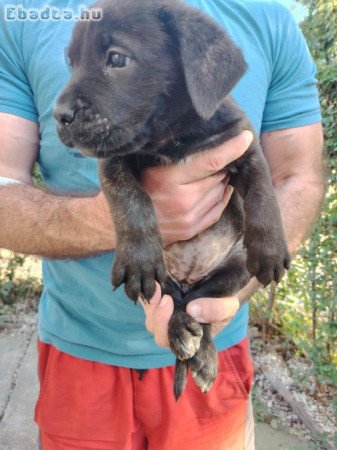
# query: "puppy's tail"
(180, 378)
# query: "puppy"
(150, 84)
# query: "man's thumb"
(209, 310)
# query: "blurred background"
(294, 325)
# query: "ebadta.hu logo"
(48, 12)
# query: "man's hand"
(216, 311)
(190, 197)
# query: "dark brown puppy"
(150, 85)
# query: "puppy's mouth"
(100, 139)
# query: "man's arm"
(35, 222)
(296, 165)
(295, 160)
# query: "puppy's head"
(144, 60)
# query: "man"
(90, 339)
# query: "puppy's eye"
(118, 60)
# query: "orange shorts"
(90, 405)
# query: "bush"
(15, 285)
(304, 307)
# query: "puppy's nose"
(64, 114)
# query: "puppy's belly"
(190, 261)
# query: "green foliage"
(37, 177)
(320, 253)
(13, 287)
(262, 413)
(320, 28)
(305, 305)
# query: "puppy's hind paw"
(185, 335)
(205, 376)
(204, 364)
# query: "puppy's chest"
(190, 261)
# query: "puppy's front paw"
(184, 334)
(139, 271)
(268, 262)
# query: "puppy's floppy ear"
(212, 63)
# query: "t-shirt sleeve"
(292, 98)
(16, 96)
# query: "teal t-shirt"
(79, 313)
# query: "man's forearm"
(300, 200)
(37, 223)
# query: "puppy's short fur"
(150, 85)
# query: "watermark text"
(19, 12)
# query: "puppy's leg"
(183, 331)
(184, 335)
(139, 256)
(267, 252)
(225, 280)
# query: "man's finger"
(212, 216)
(150, 307)
(158, 313)
(203, 206)
(227, 194)
(208, 310)
(161, 318)
(208, 183)
(204, 164)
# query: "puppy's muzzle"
(64, 114)
(79, 126)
